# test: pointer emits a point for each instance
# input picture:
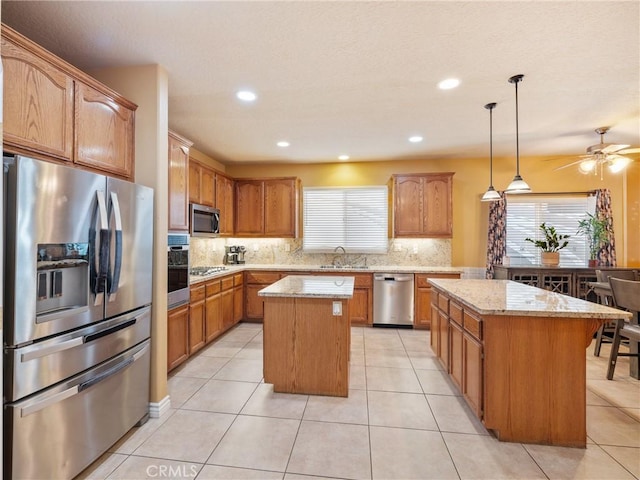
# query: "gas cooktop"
(204, 271)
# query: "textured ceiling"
(360, 77)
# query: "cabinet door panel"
(249, 207)
(437, 210)
(422, 315)
(177, 336)
(227, 309)
(38, 103)
(104, 132)
(254, 306)
(207, 187)
(279, 208)
(178, 185)
(194, 182)
(434, 336)
(359, 306)
(408, 212)
(238, 303)
(443, 341)
(213, 313)
(197, 336)
(473, 368)
(455, 353)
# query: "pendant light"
(490, 195)
(517, 185)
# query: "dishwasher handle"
(393, 278)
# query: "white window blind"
(525, 214)
(355, 218)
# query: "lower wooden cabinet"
(238, 297)
(472, 385)
(227, 303)
(177, 336)
(254, 282)
(422, 317)
(213, 310)
(197, 334)
(455, 353)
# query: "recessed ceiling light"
(246, 96)
(448, 84)
(343, 157)
(415, 139)
(283, 144)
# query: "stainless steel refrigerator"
(77, 303)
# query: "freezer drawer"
(59, 432)
(34, 367)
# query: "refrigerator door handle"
(117, 267)
(44, 403)
(99, 281)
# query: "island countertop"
(506, 297)
(310, 286)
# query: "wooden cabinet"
(38, 100)
(238, 297)
(202, 184)
(213, 310)
(266, 207)
(178, 183)
(227, 302)
(197, 334)
(361, 304)
(56, 112)
(472, 385)
(254, 282)
(104, 132)
(177, 336)
(225, 203)
(455, 353)
(422, 317)
(423, 205)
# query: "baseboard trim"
(158, 409)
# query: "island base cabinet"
(535, 379)
(472, 378)
(306, 346)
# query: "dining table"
(605, 296)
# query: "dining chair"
(606, 330)
(626, 294)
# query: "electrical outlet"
(337, 309)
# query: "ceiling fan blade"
(612, 148)
(629, 150)
(568, 165)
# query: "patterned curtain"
(607, 255)
(497, 238)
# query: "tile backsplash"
(287, 251)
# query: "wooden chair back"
(626, 293)
(605, 275)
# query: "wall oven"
(178, 274)
(205, 221)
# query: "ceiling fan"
(602, 155)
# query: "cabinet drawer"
(473, 325)
(237, 279)
(197, 293)
(362, 280)
(266, 278)
(212, 287)
(455, 313)
(422, 279)
(227, 283)
(443, 303)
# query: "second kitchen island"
(517, 354)
(307, 335)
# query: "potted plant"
(595, 229)
(551, 245)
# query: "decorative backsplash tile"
(285, 251)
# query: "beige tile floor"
(403, 419)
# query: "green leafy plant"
(553, 241)
(595, 229)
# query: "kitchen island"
(307, 335)
(517, 354)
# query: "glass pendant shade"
(517, 185)
(490, 195)
(618, 163)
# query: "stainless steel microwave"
(205, 221)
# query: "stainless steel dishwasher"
(393, 299)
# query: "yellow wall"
(469, 183)
(201, 157)
(633, 215)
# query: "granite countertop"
(310, 286)
(317, 268)
(505, 297)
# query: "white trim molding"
(158, 409)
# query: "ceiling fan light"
(518, 185)
(587, 166)
(490, 195)
(618, 163)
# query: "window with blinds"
(525, 214)
(355, 218)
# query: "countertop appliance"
(205, 221)
(393, 299)
(78, 275)
(234, 254)
(178, 270)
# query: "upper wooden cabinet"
(423, 205)
(178, 183)
(224, 203)
(104, 132)
(38, 101)
(267, 207)
(53, 111)
(202, 184)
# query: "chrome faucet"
(336, 258)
